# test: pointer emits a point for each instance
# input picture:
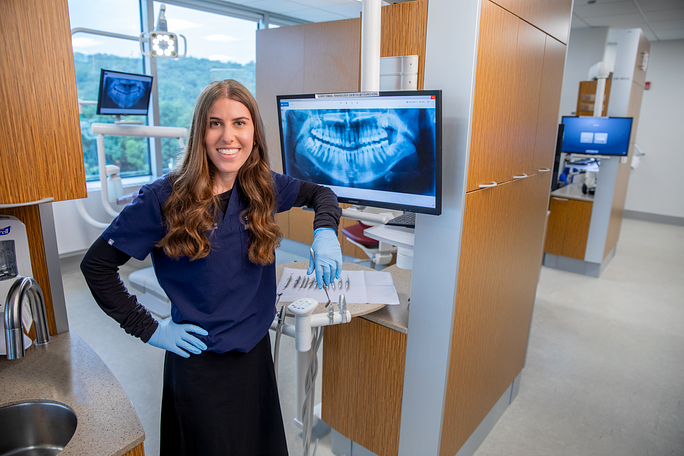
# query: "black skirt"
(222, 405)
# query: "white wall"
(74, 235)
(656, 186)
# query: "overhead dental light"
(162, 43)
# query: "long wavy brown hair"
(190, 211)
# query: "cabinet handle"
(522, 176)
(30, 203)
(543, 170)
(493, 184)
(559, 199)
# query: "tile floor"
(604, 373)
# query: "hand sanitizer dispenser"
(14, 255)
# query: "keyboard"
(408, 220)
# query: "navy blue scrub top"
(224, 292)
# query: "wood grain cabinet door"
(568, 227)
(549, 104)
(551, 16)
(555, 229)
(41, 154)
(577, 229)
(501, 250)
(494, 88)
(529, 63)
(363, 378)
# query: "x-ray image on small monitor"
(124, 93)
(381, 149)
(596, 135)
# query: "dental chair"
(379, 253)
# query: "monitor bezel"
(589, 154)
(123, 74)
(437, 209)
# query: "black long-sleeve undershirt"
(100, 265)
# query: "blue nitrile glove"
(328, 254)
(177, 338)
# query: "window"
(94, 52)
(219, 47)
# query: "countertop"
(394, 316)
(574, 192)
(68, 371)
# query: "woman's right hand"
(176, 338)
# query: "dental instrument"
(280, 321)
(286, 284)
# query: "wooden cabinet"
(568, 227)
(549, 104)
(493, 102)
(137, 451)
(40, 145)
(517, 95)
(527, 81)
(551, 16)
(587, 96)
(363, 383)
(500, 258)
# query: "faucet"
(13, 310)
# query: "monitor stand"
(118, 121)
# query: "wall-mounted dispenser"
(14, 254)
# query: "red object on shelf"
(355, 233)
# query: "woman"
(210, 230)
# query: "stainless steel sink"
(35, 428)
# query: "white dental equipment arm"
(306, 343)
(147, 131)
(302, 309)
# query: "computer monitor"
(379, 149)
(124, 94)
(597, 135)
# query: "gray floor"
(604, 372)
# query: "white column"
(451, 68)
(370, 45)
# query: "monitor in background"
(379, 149)
(597, 135)
(123, 94)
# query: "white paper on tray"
(365, 287)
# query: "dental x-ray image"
(380, 149)
(124, 93)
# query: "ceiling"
(659, 19)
